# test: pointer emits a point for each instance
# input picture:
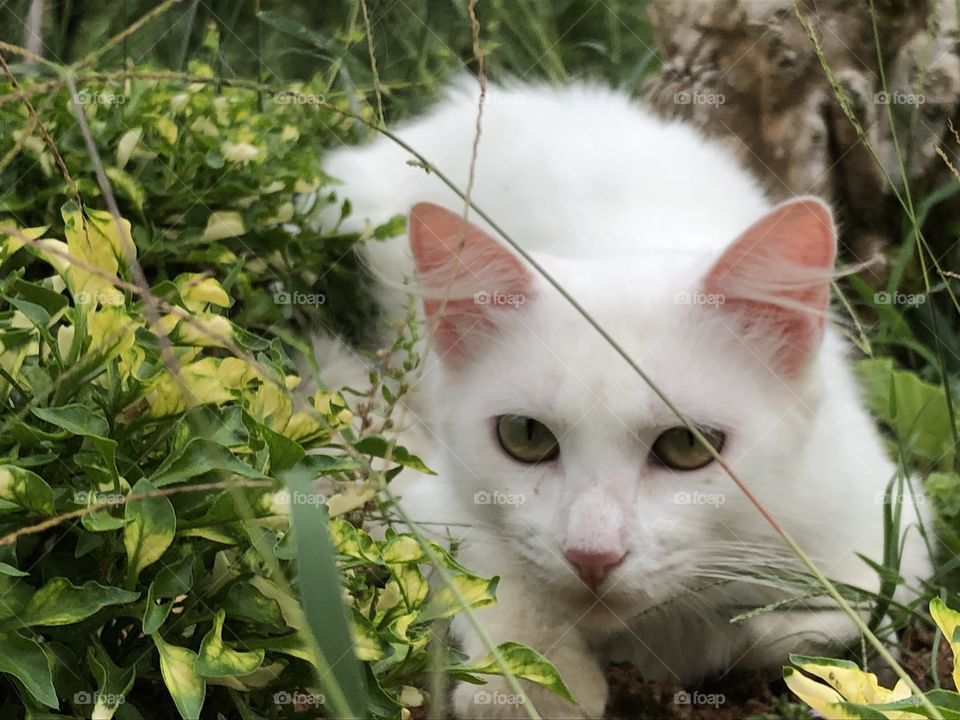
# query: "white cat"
(615, 533)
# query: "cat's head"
(562, 447)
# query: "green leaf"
(321, 592)
(218, 660)
(60, 602)
(522, 661)
(52, 302)
(178, 668)
(80, 420)
(26, 489)
(151, 526)
(245, 602)
(169, 583)
(477, 592)
(113, 682)
(101, 521)
(6, 569)
(284, 452)
(914, 409)
(378, 446)
(34, 313)
(199, 457)
(294, 28)
(25, 660)
(76, 419)
(292, 645)
(127, 185)
(948, 703)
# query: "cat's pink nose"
(593, 567)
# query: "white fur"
(628, 212)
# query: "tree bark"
(747, 71)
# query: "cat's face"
(556, 441)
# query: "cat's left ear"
(468, 280)
(774, 280)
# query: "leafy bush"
(225, 179)
(159, 516)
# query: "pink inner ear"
(466, 277)
(775, 278)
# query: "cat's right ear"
(467, 278)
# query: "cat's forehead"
(552, 358)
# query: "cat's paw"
(498, 700)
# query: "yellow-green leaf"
(402, 549)
(167, 129)
(26, 489)
(948, 621)
(218, 660)
(847, 678)
(128, 185)
(523, 662)
(825, 700)
(151, 525)
(197, 290)
(126, 146)
(224, 224)
(60, 602)
(412, 584)
(477, 592)
(178, 668)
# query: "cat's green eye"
(678, 449)
(526, 439)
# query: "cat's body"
(635, 217)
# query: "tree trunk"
(747, 71)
